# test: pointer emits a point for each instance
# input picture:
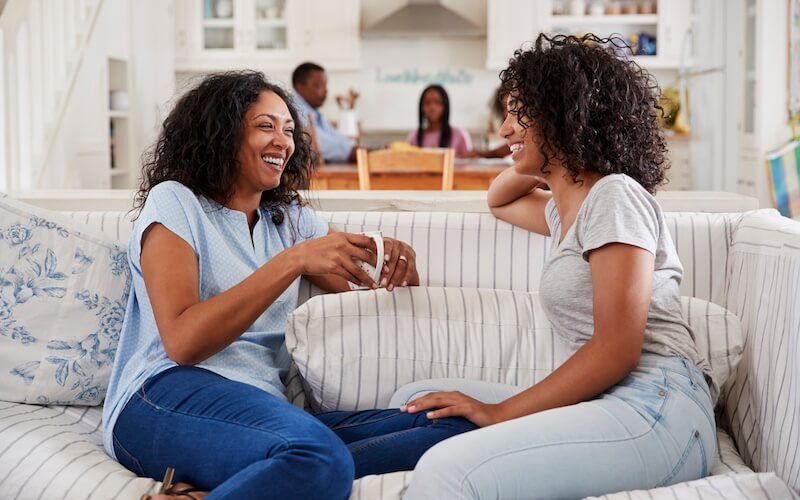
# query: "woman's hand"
(334, 254)
(456, 404)
(400, 264)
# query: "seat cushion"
(750, 486)
(56, 452)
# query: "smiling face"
(526, 150)
(266, 144)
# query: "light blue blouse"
(226, 255)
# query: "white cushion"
(717, 335)
(752, 486)
(63, 294)
(354, 350)
(56, 452)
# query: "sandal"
(167, 488)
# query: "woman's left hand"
(400, 265)
(455, 404)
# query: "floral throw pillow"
(63, 293)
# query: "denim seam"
(349, 426)
(136, 462)
(703, 455)
(286, 442)
(702, 407)
(382, 439)
(694, 438)
(561, 443)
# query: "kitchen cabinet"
(512, 22)
(266, 34)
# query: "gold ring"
(403, 258)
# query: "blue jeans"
(655, 428)
(238, 441)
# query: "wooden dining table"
(470, 175)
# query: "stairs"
(42, 47)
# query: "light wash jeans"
(654, 428)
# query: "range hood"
(427, 18)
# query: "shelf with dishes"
(655, 32)
(603, 20)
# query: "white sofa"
(746, 262)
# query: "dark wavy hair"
(200, 139)
(590, 109)
(447, 131)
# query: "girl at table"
(633, 406)
(434, 130)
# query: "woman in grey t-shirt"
(632, 407)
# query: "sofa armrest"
(762, 400)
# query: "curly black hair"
(200, 139)
(590, 109)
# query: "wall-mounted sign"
(417, 76)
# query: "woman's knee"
(440, 473)
(326, 459)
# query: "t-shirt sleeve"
(169, 204)
(620, 212)
(411, 138)
(551, 215)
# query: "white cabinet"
(512, 22)
(224, 34)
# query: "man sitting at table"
(311, 88)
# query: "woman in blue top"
(216, 256)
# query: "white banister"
(37, 49)
(60, 61)
(42, 45)
(23, 119)
(4, 163)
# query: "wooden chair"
(405, 169)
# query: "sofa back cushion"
(63, 294)
(354, 350)
(478, 251)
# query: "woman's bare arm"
(513, 197)
(193, 330)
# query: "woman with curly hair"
(216, 256)
(632, 406)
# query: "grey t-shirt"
(616, 210)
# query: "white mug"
(373, 272)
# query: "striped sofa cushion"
(763, 400)
(752, 486)
(355, 350)
(55, 452)
(478, 251)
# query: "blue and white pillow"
(63, 294)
